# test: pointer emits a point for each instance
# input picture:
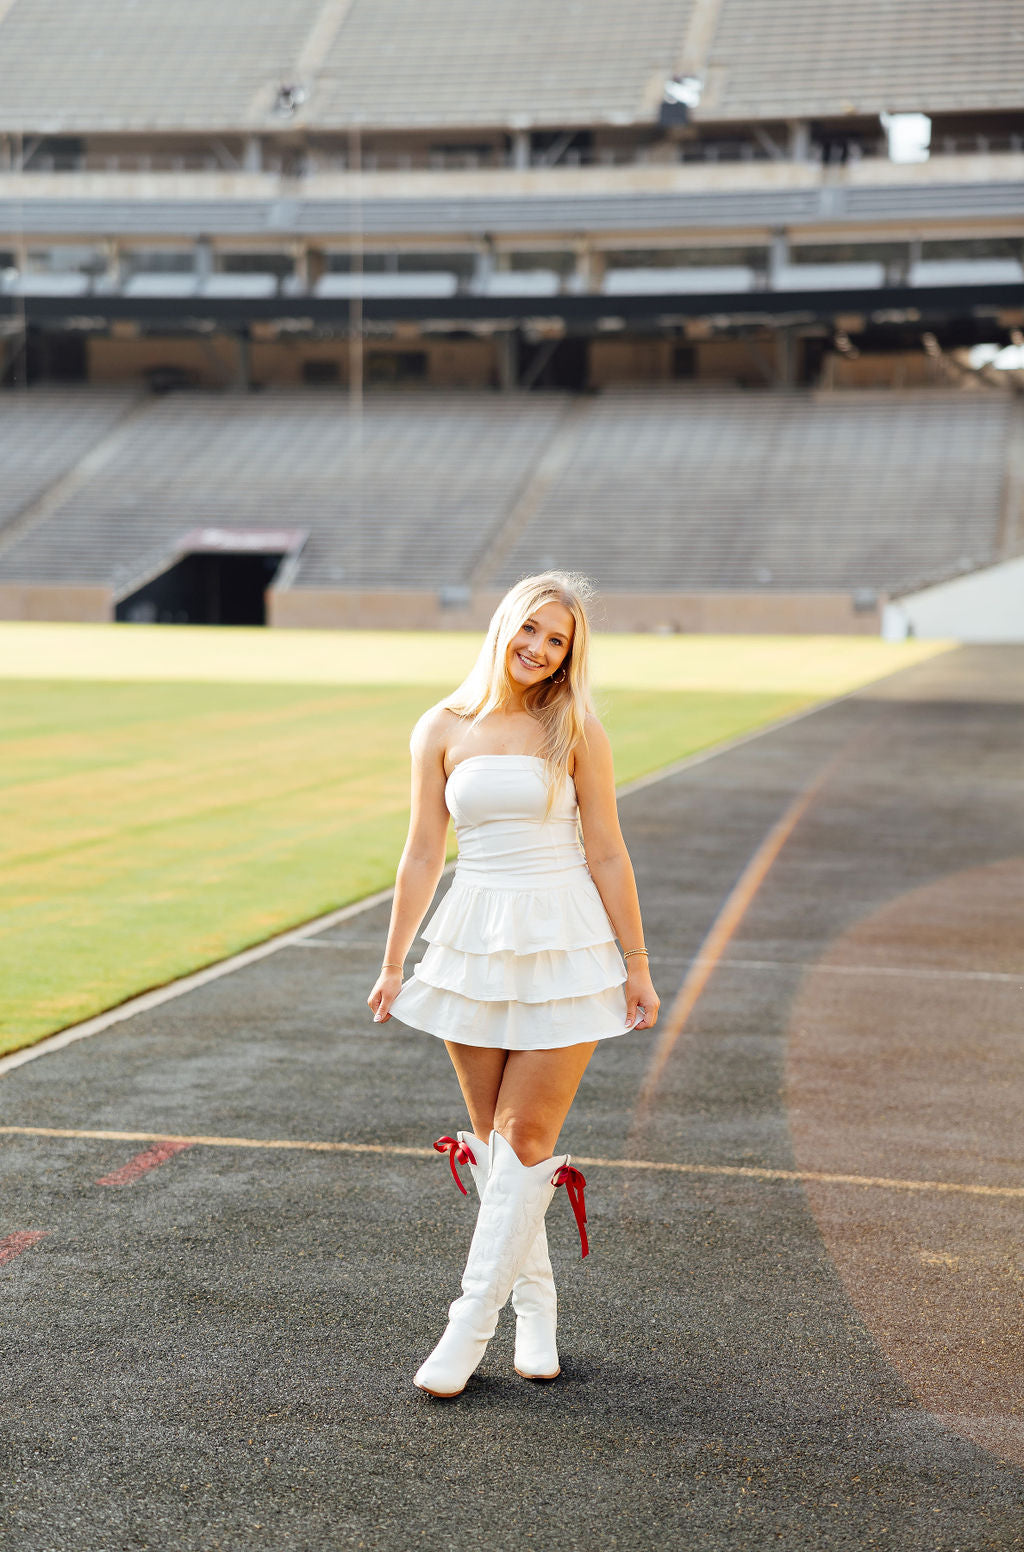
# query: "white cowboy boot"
(533, 1293)
(512, 1207)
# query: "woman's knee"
(527, 1136)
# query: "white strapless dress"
(521, 954)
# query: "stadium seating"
(869, 490)
(408, 502)
(221, 135)
(457, 62)
(456, 214)
(697, 490)
(110, 66)
(802, 59)
(45, 433)
(220, 65)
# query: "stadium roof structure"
(137, 66)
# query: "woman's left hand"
(640, 993)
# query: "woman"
(521, 978)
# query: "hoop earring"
(558, 678)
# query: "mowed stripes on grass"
(154, 826)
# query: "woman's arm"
(610, 866)
(422, 857)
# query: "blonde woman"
(522, 977)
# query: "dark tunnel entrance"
(218, 577)
(205, 590)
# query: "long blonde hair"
(561, 707)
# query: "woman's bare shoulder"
(433, 731)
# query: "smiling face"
(539, 647)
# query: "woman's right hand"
(386, 988)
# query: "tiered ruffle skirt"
(518, 969)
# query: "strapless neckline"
(470, 757)
(466, 758)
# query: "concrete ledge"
(723, 613)
(51, 601)
(512, 183)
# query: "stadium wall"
(49, 601)
(696, 613)
(788, 614)
(213, 362)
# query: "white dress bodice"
(497, 802)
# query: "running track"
(800, 1325)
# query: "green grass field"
(172, 796)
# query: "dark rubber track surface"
(219, 1354)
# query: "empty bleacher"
(800, 59)
(404, 496)
(44, 434)
(457, 62)
(654, 491)
(212, 64)
(691, 491)
(219, 64)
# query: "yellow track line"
(740, 1171)
(724, 926)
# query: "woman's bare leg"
(479, 1071)
(536, 1090)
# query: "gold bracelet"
(389, 964)
(629, 951)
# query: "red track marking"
(149, 1158)
(14, 1244)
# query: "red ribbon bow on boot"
(457, 1153)
(574, 1182)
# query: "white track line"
(297, 935)
(924, 972)
(738, 1171)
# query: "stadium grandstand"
(354, 310)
